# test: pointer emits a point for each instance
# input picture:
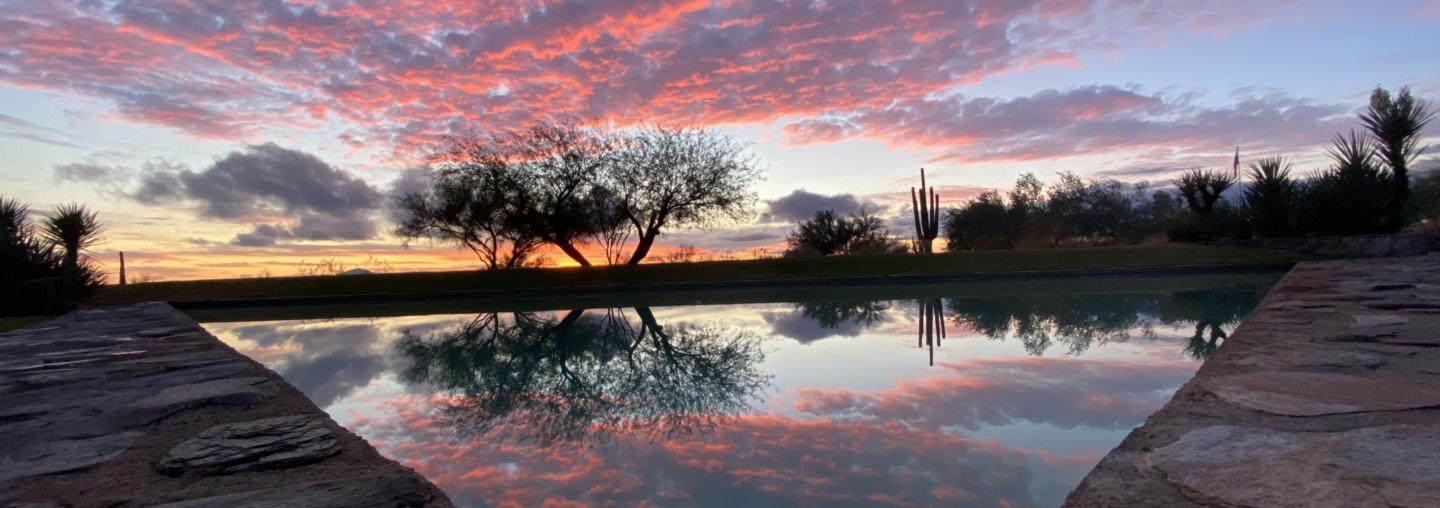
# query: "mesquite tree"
(681, 177)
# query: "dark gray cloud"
(411, 180)
(310, 227)
(263, 179)
(805, 330)
(83, 172)
(329, 362)
(802, 204)
(262, 235)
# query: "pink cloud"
(1052, 124)
(401, 74)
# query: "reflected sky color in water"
(783, 404)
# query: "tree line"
(1367, 189)
(44, 269)
(506, 194)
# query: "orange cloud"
(403, 74)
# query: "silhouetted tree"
(681, 177)
(476, 202)
(829, 233)
(1395, 124)
(984, 222)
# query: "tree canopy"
(570, 185)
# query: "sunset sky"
(226, 138)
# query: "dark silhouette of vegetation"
(1271, 197)
(829, 233)
(1394, 125)
(1082, 321)
(1365, 190)
(1354, 196)
(680, 177)
(569, 185)
(73, 228)
(931, 331)
(926, 209)
(1071, 212)
(1076, 321)
(472, 201)
(585, 378)
(45, 271)
(833, 315)
(1201, 188)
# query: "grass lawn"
(1142, 256)
(12, 323)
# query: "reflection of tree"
(1210, 311)
(585, 376)
(834, 314)
(1080, 321)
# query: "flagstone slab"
(381, 491)
(233, 391)
(1314, 394)
(270, 443)
(61, 456)
(1388, 466)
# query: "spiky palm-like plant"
(1271, 196)
(34, 279)
(1354, 196)
(74, 228)
(1201, 188)
(1394, 124)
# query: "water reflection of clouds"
(1003, 418)
(1057, 392)
(326, 360)
(760, 460)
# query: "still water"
(953, 401)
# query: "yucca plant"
(1201, 188)
(1394, 124)
(75, 229)
(34, 277)
(1271, 196)
(1354, 196)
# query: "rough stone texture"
(361, 492)
(60, 456)
(1389, 466)
(1314, 394)
(233, 391)
(91, 402)
(1327, 395)
(271, 443)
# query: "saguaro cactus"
(926, 207)
(932, 325)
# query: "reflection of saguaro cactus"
(932, 325)
(926, 208)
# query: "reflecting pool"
(949, 397)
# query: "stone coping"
(138, 405)
(1328, 394)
